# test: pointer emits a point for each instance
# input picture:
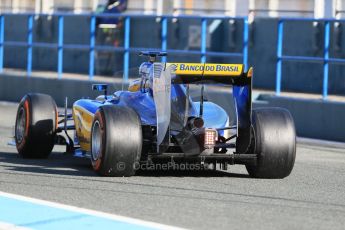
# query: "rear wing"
(189, 73)
(201, 73)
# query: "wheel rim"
(96, 141)
(20, 125)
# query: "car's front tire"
(35, 127)
(116, 141)
(274, 143)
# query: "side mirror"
(101, 87)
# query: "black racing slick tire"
(116, 141)
(35, 127)
(274, 144)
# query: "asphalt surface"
(312, 197)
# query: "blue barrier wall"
(301, 38)
(144, 32)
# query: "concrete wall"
(13, 88)
(313, 118)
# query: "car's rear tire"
(35, 127)
(116, 141)
(274, 143)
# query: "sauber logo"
(207, 69)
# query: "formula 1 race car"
(156, 121)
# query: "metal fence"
(325, 60)
(126, 48)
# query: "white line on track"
(114, 217)
(7, 226)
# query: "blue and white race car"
(157, 121)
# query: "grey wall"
(313, 118)
(13, 88)
(301, 38)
